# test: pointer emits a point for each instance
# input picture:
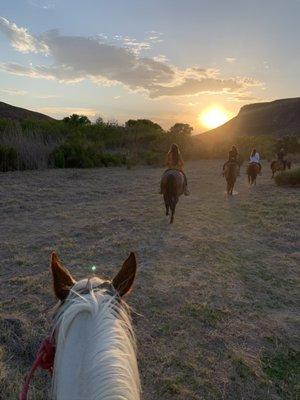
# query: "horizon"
(139, 65)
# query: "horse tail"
(251, 173)
(171, 190)
(171, 195)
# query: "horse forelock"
(107, 362)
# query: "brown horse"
(172, 186)
(231, 173)
(252, 172)
(278, 165)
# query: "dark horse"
(278, 165)
(252, 172)
(172, 186)
(231, 173)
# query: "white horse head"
(95, 356)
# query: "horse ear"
(123, 281)
(62, 279)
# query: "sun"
(214, 117)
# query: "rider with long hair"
(175, 161)
(255, 158)
(281, 157)
(232, 157)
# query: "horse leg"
(172, 206)
(166, 204)
(167, 209)
(230, 188)
(172, 217)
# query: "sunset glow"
(214, 117)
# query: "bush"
(32, 147)
(8, 159)
(152, 158)
(288, 178)
(73, 155)
(84, 155)
(114, 160)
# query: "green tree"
(99, 121)
(77, 120)
(181, 129)
(145, 124)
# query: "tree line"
(76, 142)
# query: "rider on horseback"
(174, 161)
(281, 157)
(232, 157)
(254, 159)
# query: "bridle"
(46, 353)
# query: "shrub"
(287, 178)
(152, 158)
(72, 155)
(84, 155)
(8, 159)
(116, 160)
(32, 147)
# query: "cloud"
(47, 96)
(61, 73)
(76, 58)
(63, 111)
(13, 92)
(43, 4)
(244, 98)
(230, 60)
(130, 43)
(20, 39)
(192, 86)
(154, 37)
(161, 58)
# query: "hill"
(276, 118)
(7, 111)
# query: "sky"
(166, 60)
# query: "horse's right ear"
(123, 281)
(62, 279)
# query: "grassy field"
(215, 299)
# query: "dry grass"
(216, 292)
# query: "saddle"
(173, 169)
(254, 163)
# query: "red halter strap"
(44, 359)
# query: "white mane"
(95, 346)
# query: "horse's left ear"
(62, 279)
(123, 281)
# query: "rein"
(44, 360)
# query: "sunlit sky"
(189, 61)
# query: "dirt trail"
(215, 293)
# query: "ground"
(214, 303)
